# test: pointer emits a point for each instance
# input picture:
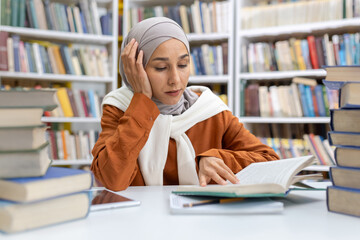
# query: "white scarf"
(153, 156)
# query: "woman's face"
(168, 71)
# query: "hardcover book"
(349, 95)
(347, 156)
(345, 120)
(56, 182)
(344, 138)
(261, 179)
(24, 163)
(343, 200)
(17, 217)
(345, 177)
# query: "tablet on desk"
(102, 199)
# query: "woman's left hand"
(212, 168)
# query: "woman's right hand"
(134, 69)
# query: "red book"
(312, 51)
(3, 51)
(317, 150)
(315, 102)
(83, 99)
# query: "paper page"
(247, 206)
(279, 172)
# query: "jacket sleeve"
(240, 148)
(121, 140)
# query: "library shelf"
(301, 28)
(59, 35)
(70, 120)
(282, 74)
(55, 77)
(284, 119)
(209, 79)
(71, 162)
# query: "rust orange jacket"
(124, 134)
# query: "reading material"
(345, 177)
(345, 120)
(14, 117)
(259, 179)
(16, 217)
(24, 163)
(245, 206)
(57, 181)
(343, 200)
(41, 98)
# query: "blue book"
(56, 182)
(303, 100)
(347, 156)
(336, 76)
(91, 95)
(350, 139)
(28, 49)
(320, 100)
(33, 13)
(343, 200)
(309, 101)
(83, 24)
(16, 41)
(17, 217)
(345, 120)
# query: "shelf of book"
(193, 37)
(71, 162)
(58, 35)
(55, 77)
(301, 28)
(70, 119)
(284, 119)
(209, 79)
(282, 74)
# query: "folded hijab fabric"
(150, 33)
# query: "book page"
(279, 172)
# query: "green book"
(261, 179)
(14, 13)
(21, 13)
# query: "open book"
(258, 180)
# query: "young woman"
(158, 131)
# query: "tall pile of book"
(33, 194)
(344, 195)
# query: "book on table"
(57, 181)
(20, 116)
(24, 163)
(347, 177)
(16, 217)
(344, 138)
(41, 98)
(343, 200)
(345, 120)
(349, 95)
(22, 137)
(337, 76)
(260, 179)
(346, 156)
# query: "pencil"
(212, 201)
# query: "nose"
(174, 76)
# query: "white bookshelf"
(101, 84)
(193, 38)
(110, 41)
(244, 36)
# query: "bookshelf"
(257, 22)
(98, 38)
(196, 38)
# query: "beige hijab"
(150, 33)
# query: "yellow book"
(299, 57)
(65, 102)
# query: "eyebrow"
(167, 59)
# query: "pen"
(212, 201)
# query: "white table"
(305, 217)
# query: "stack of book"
(344, 195)
(33, 194)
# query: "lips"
(173, 93)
